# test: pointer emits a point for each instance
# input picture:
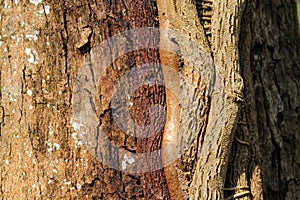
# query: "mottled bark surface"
(265, 156)
(45, 44)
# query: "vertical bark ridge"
(209, 182)
(182, 18)
(270, 65)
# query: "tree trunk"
(265, 156)
(149, 99)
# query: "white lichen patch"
(57, 146)
(12, 98)
(35, 2)
(50, 130)
(33, 36)
(68, 182)
(28, 51)
(29, 92)
(31, 59)
(45, 91)
(124, 165)
(54, 146)
(29, 153)
(127, 160)
(76, 126)
(6, 5)
(47, 10)
(74, 135)
(50, 149)
(78, 186)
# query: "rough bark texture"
(43, 53)
(43, 46)
(223, 29)
(265, 158)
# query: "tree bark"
(264, 160)
(233, 134)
